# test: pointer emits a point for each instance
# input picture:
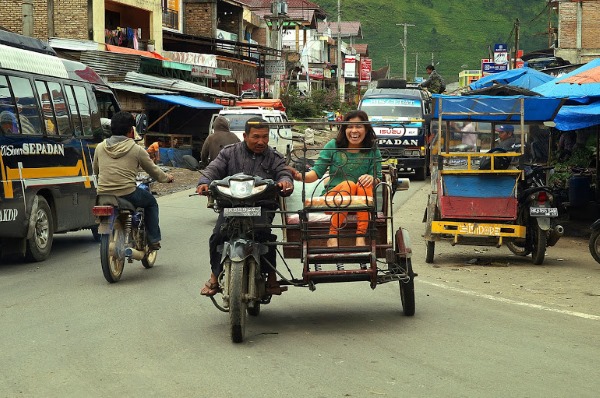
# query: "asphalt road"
(495, 328)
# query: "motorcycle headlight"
(241, 189)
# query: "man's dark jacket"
(237, 158)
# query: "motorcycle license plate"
(242, 212)
(390, 161)
(543, 212)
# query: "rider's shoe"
(154, 246)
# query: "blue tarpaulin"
(522, 77)
(494, 108)
(185, 101)
(573, 117)
(581, 86)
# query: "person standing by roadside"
(434, 83)
(220, 138)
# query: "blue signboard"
(491, 67)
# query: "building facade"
(578, 30)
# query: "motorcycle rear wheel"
(238, 289)
(539, 245)
(594, 245)
(113, 263)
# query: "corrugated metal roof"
(173, 85)
(138, 89)
(111, 64)
(72, 44)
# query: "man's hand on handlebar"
(202, 189)
(286, 188)
(170, 178)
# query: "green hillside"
(453, 33)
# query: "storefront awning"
(185, 101)
(127, 50)
(174, 85)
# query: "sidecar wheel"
(539, 246)
(595, 245)
(407, 290)
(429, 251)
(238, 289)
(113, 260)
(518, 249)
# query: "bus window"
(27, 107)
(8, 110)
(74, 112)
(60, 109)
(84, 109)
(47, 111)
(106, 104)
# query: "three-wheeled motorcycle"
(483, 195)
(305, 224)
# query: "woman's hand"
(366, 180)
(296, 175)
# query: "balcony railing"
(170, 18)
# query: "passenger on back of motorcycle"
(254, 157)
(116, 163)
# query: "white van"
(280, 137)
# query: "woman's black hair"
(341, 141)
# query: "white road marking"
(509, 301)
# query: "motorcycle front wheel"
(594, 245)
(238, 289)
(111, 253)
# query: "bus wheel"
(40, 244)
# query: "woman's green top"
(346, 166)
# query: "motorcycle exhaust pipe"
(135, 254)
(554, 235)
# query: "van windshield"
(392, 107)
(237, 122)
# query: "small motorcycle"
(594, 243)
(244, 279)
(122, 233)
(536, 211)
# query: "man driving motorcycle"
(116, 163)
(253, 156)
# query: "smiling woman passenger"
(354, 164)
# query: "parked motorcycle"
(244, 277)
(122, 232)
(536, 210)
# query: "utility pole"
(404, 45)
(340, 78)
(416, 64)
(516, 43)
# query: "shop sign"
(204, 71)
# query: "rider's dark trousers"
(261, 234)
(142, 198)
